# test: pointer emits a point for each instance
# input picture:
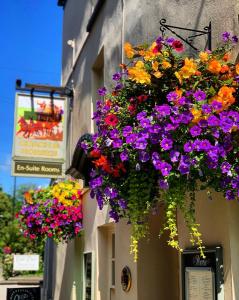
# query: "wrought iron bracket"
(194, 33)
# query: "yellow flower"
(158, 74)
(203, 56)
(189, 68)
(179, 77)
(139, 74)
(166, 64)
(129, 50)
(155, 66)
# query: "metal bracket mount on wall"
(190, 39)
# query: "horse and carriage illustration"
(43, 123)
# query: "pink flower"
(177, 46)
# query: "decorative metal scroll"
(194, 33)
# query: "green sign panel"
(44, 169)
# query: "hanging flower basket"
(168, 128)
(55, 212)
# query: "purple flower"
(117, 76)
(112, 193)
(122, 203)
(102, 91)
(159, 40)
(204, 145)
(114, 134)
(84, 145)
(188, 147)
(166, 144)
(170, 40)
(186, 117)
(226, 167)
(144, 156)
(165, 168)
(141, 115)
(141, 144)
(226, 36)
(108, 142)
(114, 215)
(100, 200)
(163, 184)
(163, 110)
(127, 130)
(184, 165)
(203, 123)
(118, 86)
(172, 96)
(199, 95)
(145, 123)
(216, 105)
(131, 138)
(174, 155)
(229, 195)
(124, 155)
(213, 121)
(206, 109)
(117, 143)
(195, 131)
(235, 39)
(96, 182)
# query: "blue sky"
(31, 34)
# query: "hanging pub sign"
(39, 142)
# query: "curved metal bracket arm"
(190, 39)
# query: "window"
(113, 259)
(88, 276)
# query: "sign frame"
(40, 160)
(191, 258)
(32, 266)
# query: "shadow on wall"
(72, 283)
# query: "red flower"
(177, 46)
(157, 48)
(95, 153)
(142, 98)
(111, 120)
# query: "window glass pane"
(88, 275)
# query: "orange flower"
(129, 50)
(224, 69)
(237, 69)
(166, 64)
(196, 115)
(226, 56)
(214, 66)
(28, 198)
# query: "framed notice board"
(202, 278)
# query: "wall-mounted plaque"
(126, 279)
(25, 262)
(24, 294)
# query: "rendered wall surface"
(158, 268)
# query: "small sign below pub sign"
(24, 293)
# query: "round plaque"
(126, 279)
